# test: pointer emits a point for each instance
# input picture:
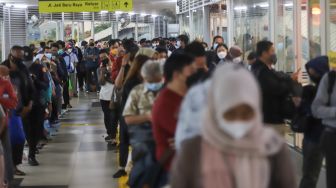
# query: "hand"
(149, 117)
(295, 75)
(297, 101)
(125, 60)
(171, 142)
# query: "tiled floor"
(78, 156)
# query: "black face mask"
(315, 79)
(105, 62)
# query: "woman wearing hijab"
(234, 150)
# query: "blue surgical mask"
(215, 45)
(48, 55)
(60, 52)
(154, 86)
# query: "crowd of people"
(194, 116)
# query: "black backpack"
(300, 121)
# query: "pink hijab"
(227, 162)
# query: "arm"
(11, 101)
(272, 85)
(120, 78)
(319, 106)
(137, 119)
(131, 111)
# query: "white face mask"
(178, 44)
(215, 46)
(237, 60)
(221, 55)
(236, 129)
(69, 50)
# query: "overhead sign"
(51, 6)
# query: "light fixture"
(288, 4)
(131, 13)
(188, 16)
(104, 11)
(316, 11)
(154, 15)
(143, 14)
(261, 5)
(241, 8)
(17, 5)
(119, 12)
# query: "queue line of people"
(172, 99)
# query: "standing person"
(197, 52)
(234, 149)
(275, 87)
(222, 54)
(8, 101)
(105, 96)
(71, 61)
(37, 114)
(132, 79)
(323, 107)
(177, 69)
(19, 74)
(236, 53)
(91, 56)
(182, 42)
(80, 67)
(137, 114)
(311, 150)
(251, 59)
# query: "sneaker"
(108, 138)
(69, 106)
(33, 162)
(120, 173)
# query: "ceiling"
(139, 6)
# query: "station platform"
(78, 156)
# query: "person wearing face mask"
(105, 95)
(313, 128)
(196, 50)
(71, 61)
(138, 117)
(221, 55)
(216, 41)
(236, 55)
(276, 88)
(234, 150)
(177, 69)
(182, 42)
(91, 57)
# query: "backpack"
(300, 121)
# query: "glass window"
(250, 23)
(78, 31)
(197, 19)
(102, 30)
(87, 30)
(185, 26)
(332, 25)
(47, 30)
(68, 32)
(284, 36)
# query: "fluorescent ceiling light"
(119, 12)
(262, 5)
(104, 11)
(143, 14)
(241, 8)
(288, 4)
(154, 15)
(131, 13)
(17, 5)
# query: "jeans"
(110, 119)
(328, 142)
(312, 163)
(7, 149)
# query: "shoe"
(33, 162)
(108, 138)
(69, 106)
(19, 172)
(75, 95)
(120, 173)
